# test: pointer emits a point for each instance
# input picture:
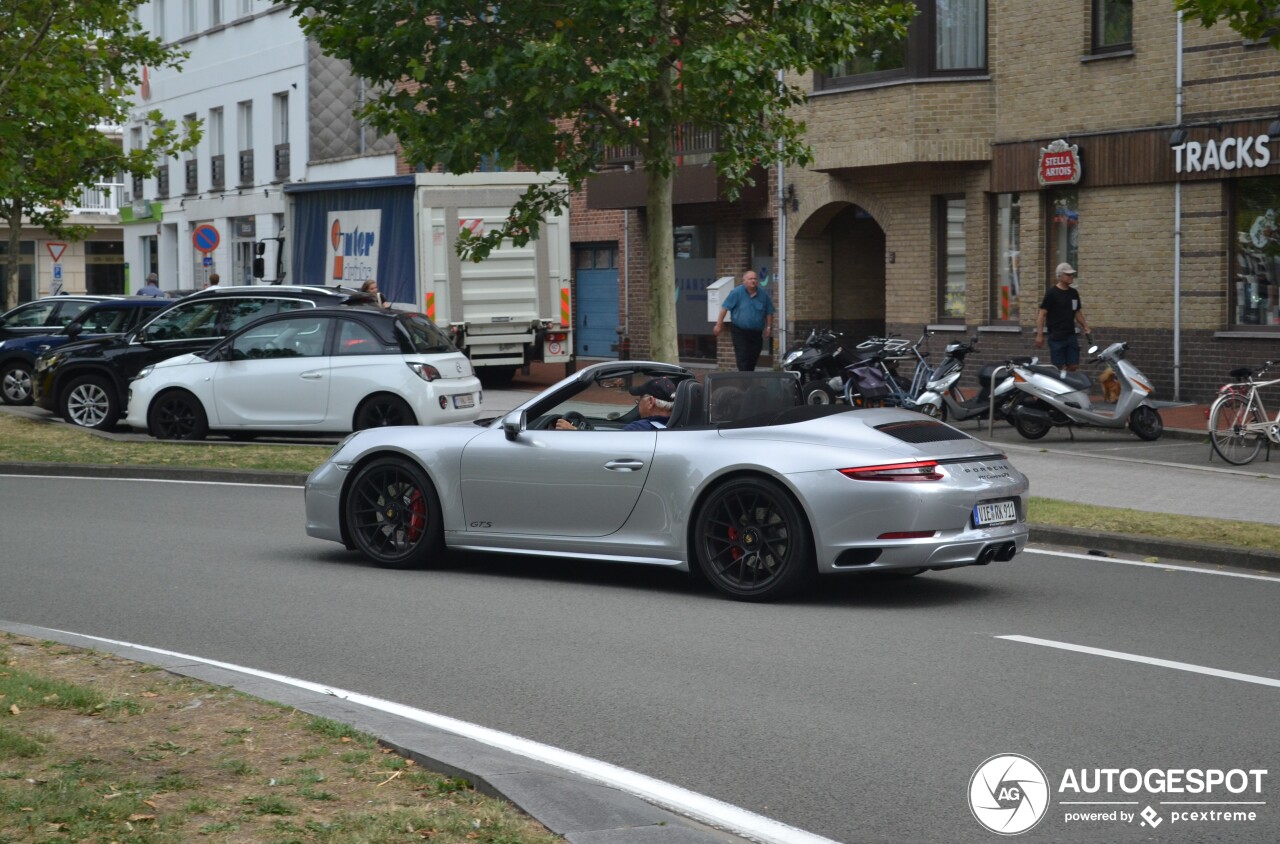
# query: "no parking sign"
(205, 238)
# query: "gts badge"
(481, 525)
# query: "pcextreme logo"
(1009, 794)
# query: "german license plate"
(467, 400)
(995, 513)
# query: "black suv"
(112, 318)
(88, 382)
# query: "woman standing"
(371, 286)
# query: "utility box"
(717, 292)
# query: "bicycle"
(1238, 421)
(874, 380)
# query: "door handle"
(312, 376)
(625, 465)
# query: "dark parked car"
(101, 319)
(44, 316)
(88, 382)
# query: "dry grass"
(97, 748)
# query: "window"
(157, 9)
(1255, 298)
(215, 12)
(1063, 239)
(37, 314)
(246, 7)
(280, 119)
(1112, 25)
(291, 338)
(242, 311)
(951, 257)
(190, 16)
(244, 124)
(947, 37)
(355, 338)
(1006, 240)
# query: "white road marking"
(1094, 558)
(700, 807)
(1147, 660)
(156, 481)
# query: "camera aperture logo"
(1008, 794)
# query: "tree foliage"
(66, 69)
(1255, 19)
(556, 85)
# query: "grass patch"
(1069, 514)
(27, 441)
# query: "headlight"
(792, 356)
(2, 342)
(43, 363)
(144, 372)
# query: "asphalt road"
(859, 713)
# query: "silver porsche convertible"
(744, 485)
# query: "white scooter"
(1061, 399)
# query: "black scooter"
(942, 390)
(820, 361)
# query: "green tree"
(67, 68)
(556, 85)
(1256, 19)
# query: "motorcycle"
(941, 390)
(820, 361)
(1050, 398)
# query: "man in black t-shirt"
(1060, 312)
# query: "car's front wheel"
(392, 514)
(90, 402)
(752, 541)
(382, 411)
(177, 415)
(15, 382)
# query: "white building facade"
(273, 110)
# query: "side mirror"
(515, 423)
(73, 330)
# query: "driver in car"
(656, 398)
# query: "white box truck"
(512, 308)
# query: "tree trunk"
(662, 269)
(13, 260)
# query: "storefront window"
(1256, 297)
(1007, 240)
(695, 270)
(1064, 230)
(951, 257)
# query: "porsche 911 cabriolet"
(743, 485)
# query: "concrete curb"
(570, 805)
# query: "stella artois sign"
(1059, 164)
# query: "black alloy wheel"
(752, 542)
(392, 514)
(90, 402)
(383, 411)
(15, 383)
(1146, 423)
(177, 415)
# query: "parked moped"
(1050, 398)
(942, 390)
(820, 362)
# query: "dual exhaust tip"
(1001, 553)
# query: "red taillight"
(425, 371)
(920, 470)
(907, 534)
(557, 338)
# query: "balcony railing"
(692, 146)
(246, 168)
(162, 181)
(192, 171)
(218, 172)
(102, 198)
(282, 162)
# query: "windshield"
(424, 335)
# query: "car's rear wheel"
(392, 514)
(383, 411)
(752, 541)
(177, 415)
(90, 402)
(15, 383)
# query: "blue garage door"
(596, 284)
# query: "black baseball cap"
(660, 388)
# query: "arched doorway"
(839, 272)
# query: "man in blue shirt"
(751, 311)
(152, 287)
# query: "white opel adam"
(322, 370)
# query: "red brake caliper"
(417, 515)
(734, 551)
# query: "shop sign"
(1059, 164)
(1226, 154)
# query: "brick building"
(952, 174)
